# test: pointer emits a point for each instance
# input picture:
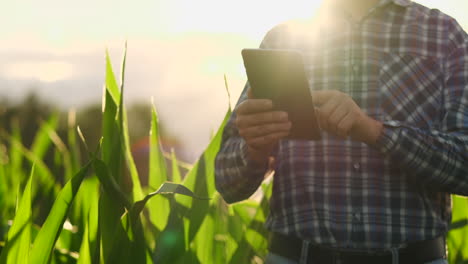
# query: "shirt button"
(357, 216)
(356, 166)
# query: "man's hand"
(261, 127)
(338, 114)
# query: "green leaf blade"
(48, 235)
(42, 140)
(111, 83)
(176, 177)
(19, 236)
(201, 180)
(110, 186)
(457, 242)
(159, 205)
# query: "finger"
(325, 111)
(336, 117)
(263, 130)
(344, 126)
(329, 108)
(321, 97)
(267, 140)
(245, 121)
(318, 116)
(321, 120)
(250, 106)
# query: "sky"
(178, 52)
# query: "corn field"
(96, 216)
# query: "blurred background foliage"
(33, 110)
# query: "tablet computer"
(279, 75)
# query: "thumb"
(321, 97)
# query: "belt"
(414, 253)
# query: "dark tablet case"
(279, 75)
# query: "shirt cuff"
(250, 165)
(388, 139)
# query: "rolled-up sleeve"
(237, 178)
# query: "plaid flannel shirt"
(405, 65)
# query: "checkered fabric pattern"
(405, 65)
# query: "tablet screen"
(279, 75)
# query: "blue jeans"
(276, 259)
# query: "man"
(389, 80)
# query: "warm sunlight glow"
(50, 71)
(252, 18)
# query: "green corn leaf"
(228, 93)
(111, 127)
(73, 141)
(84, 200)
(43, 173)
(245, 210)
(42, 140)
(201, 180)
(171, 246)
(14, 165)
(235, 225)
(110, 210)
(89, 251)
(45, 137)
(159, 205)
(65, 240)
(4, 183)
(166, 188)
(136, 185)
(223, 244)
(93, 233)
(171, 242)
(457, 237)
(111, 83)
(157, 166)
(203, 247)
(129, 245)
(111, 139)
(61, 148)
(85, 248)
(254, 242)
(16, 157)
(219, 247)
(83, 139)
(110, 186)
(50, 231)
(16, 250)
(129, 242)
(135, 231)
(176, 177)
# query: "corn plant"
(94, 217)
(457, 238)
